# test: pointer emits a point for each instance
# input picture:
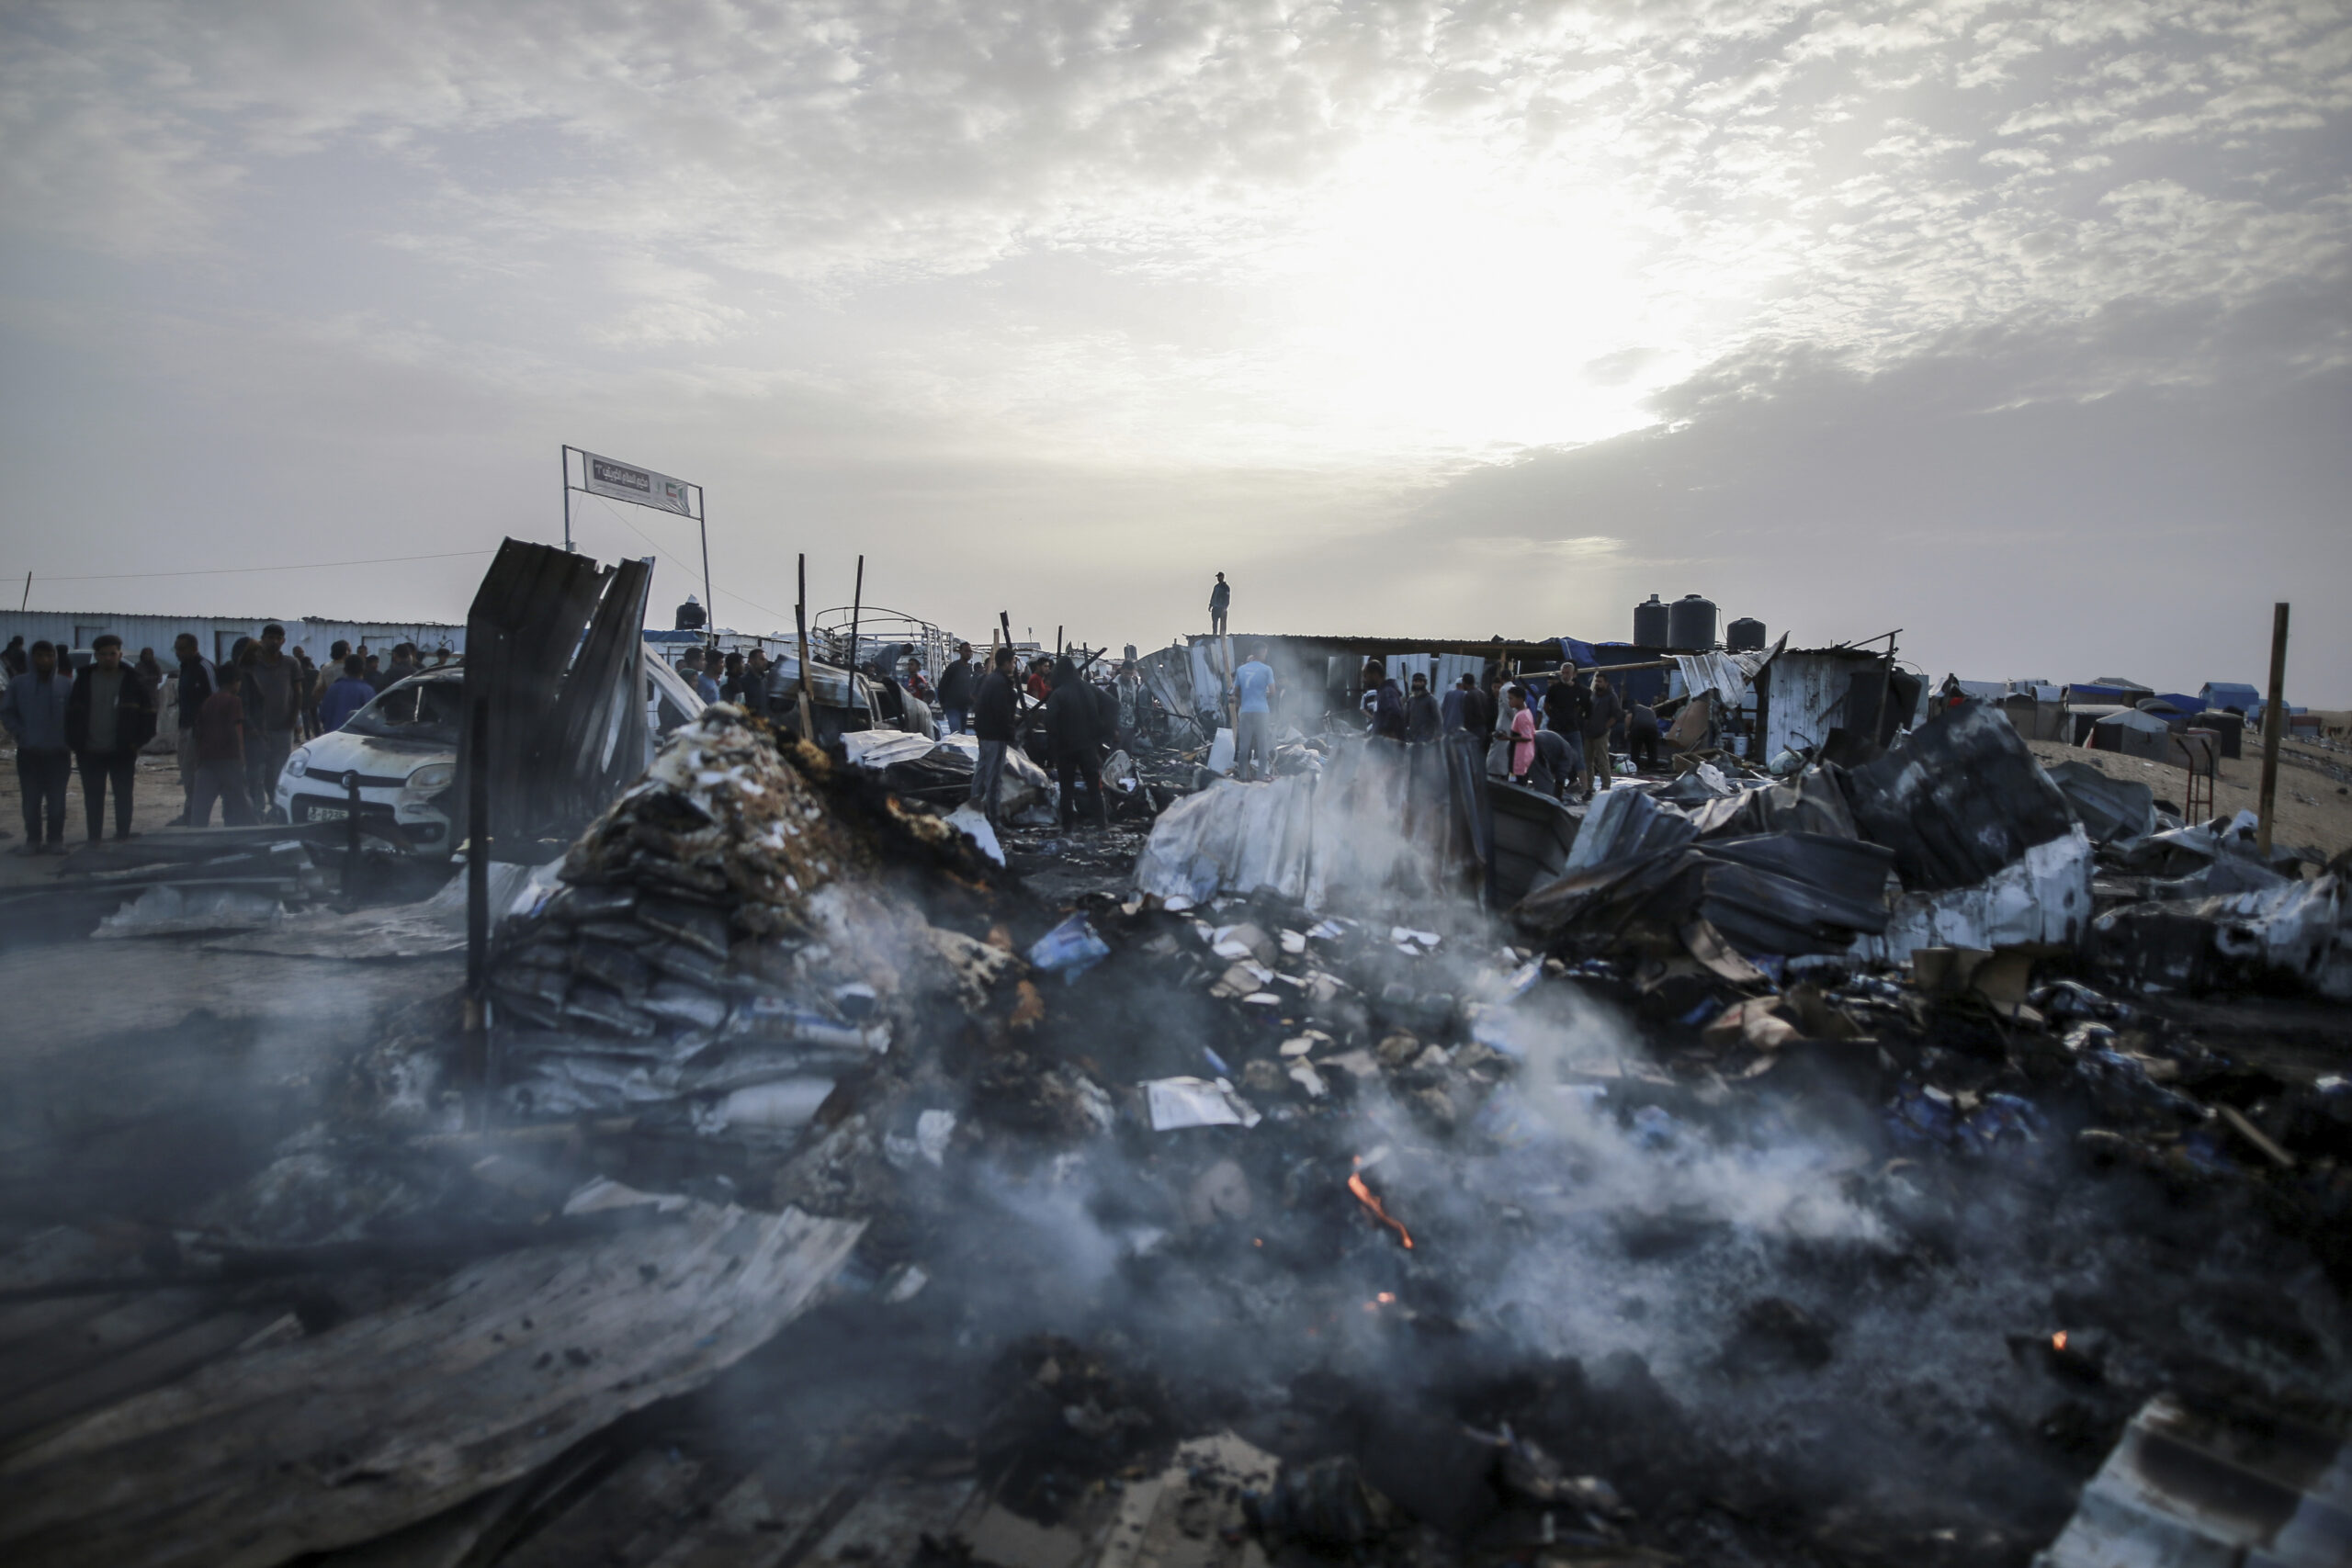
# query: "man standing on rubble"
(992, 724)
(1599, 718)
(273, 698)
(1253, 738)
(33, 711)
(1566, 703)
(1220, 597)
(109, 717)
(1070, 724)
(955, 683)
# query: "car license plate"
(329, 813)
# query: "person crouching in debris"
(993, 715)
(1641, 736)
(1253, 738)
(1521, 728)
(1422, 719)
(1070, 724)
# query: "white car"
(403, 746)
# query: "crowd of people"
(1554, 733)
(237, 722)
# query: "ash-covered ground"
(1482, 1257)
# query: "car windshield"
(413, 710)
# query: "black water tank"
(1651, 624)
(1691, 622)
(1744, 634)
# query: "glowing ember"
(1386, 1296)
(1365, 1196)
(2058, 1340)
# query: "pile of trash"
(705, 949)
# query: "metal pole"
(478, 895)
(808, 689)
(563, 467)
(29, 593)
(351, 836)
(856, 599)
(2273, 723)
(709, 605)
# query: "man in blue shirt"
(350, 692)
(33, 709)
(1254, 684)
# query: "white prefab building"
(218, 633)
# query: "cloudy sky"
(2022, 327)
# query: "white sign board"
(624, 481)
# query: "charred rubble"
(839, 1196)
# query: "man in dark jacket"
(1220, 600)
(1071, 721)
(1566, 703)
(955, 683)
(13, 659)
(109, 717)
(33, 711)
(1423, 721)
(993, 716)
(196, 679)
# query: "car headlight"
(433, 775)
(298, 764)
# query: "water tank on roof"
(1744, 634)
(1690, 621)
(1651, 624)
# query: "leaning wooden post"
(2274, 724)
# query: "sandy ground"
(155, 801)
(2314, 806)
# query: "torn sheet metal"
(348, 1433)
(1812, 802)
(2188, 1486)
(1377, 828)
(2118, 812)
(2044, 898)
(555, 646)
(1625, 825)
(1957, 799)
(2298, 929)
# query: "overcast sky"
(2022, 327)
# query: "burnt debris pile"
(1803, 1171)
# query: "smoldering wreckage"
(1918, 1161)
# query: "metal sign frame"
(701, 522)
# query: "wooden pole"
(2274, 724)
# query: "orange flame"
(2058, 1340)
(1365, 1196)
